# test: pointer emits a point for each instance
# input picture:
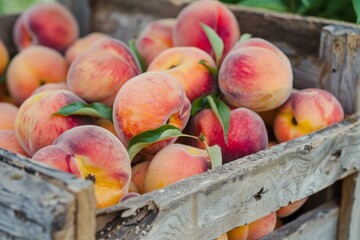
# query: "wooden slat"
(319, 223)
(340, 52)
(43, 203)
(204, 206)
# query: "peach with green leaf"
(99, 73)
(38, 123)
(92, 153)
(149, 101)
(47, 24)
(184, 63)
(33, 67)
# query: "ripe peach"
(9, 142)
(133, 188)
(247, 133)
(33, 67)
(8, 114)
(51, 86)
(255, 78)
(37, 125)
(262, 226)
(4, 57)
(98, 74)
(93, 153)
(81, 45)
(139, 174)
(147, 102)
(183, 64)
(47, 24)
(291, 208)
(306, 111)
(212, 13)
(155, 38)
(239, 233)
(174, 163)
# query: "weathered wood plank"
(319, 223)
(340, 52)
(62, 205)
(350, 211)
(204, 206)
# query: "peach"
(4, 57)
(47, 24)
(223, 236)
(174, 163)
(107, 124)
(155, 38)
(81, 45)
(98, 74)
(92, 153)
(212, 13)
(51, 86)
(291, 208)
(183, 64)
(139, 174)
(255, 78)
(33, 67)
(239, 233)
(37, 125)
(262, 226)
(133, 188)
(306, 111)
(148, 101)
(9, 142)
(247, 133)
(8, 114)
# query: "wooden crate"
(323, 53)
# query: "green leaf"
(214, 153)
(98, 110)
(199, 104)
(277, 5)
(216, 42)
(133, 48)
(146, 138)
(222, 112)
(356, 4)
(244, 37)
(213, 71)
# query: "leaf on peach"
(214, 153)
(216, 42)
(213, 71)
(146, 138)
(133, 48)
(244, 37)
(97, 110)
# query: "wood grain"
(204, 206)
(43, 203)
(319, 223)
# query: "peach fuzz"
(291, 208)
(139, 174)
(47, 24)
(255, 78)
(51, 86)
(9, 142)
(183, 64)
(98, 74)
(81, 45)
(212, 13)
(148, 101)
(174, 163)
(262, 226)
(37, 125)
(4, 57)
(239, 233)
(33, 67)
(92, 153)
(306, 111)
(155, 38)
(247, 133)
(8, 114)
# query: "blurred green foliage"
(346, 10)
(16, 6)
